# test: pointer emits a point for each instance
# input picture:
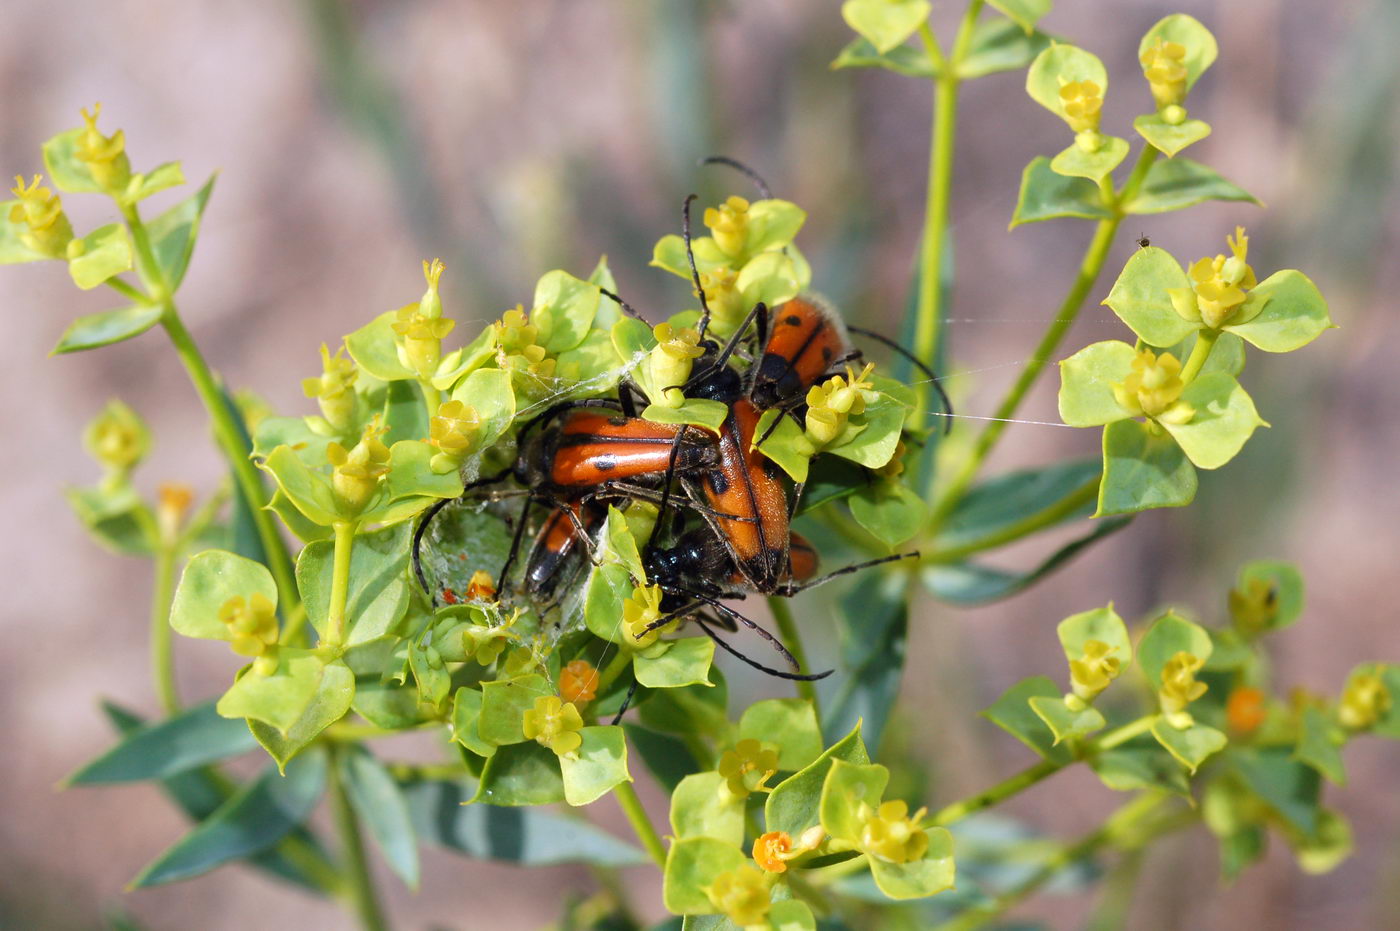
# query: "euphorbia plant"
(786, 811)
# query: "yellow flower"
(578, 682)
(1164, 66)
(1153, 388)
(725, 300)
(453, 430)
(1081, 103)
(1218, 285)
(670, 361)
(895, 467)
(638, 612)
(1254, 607)
(105, 156)
(1363, 702)
(1094, 670)
(118, 439)
(516, 346)
(334, 391)
(1180, 688)
(891, 833)
(729, 225)
(41, 210)
(748, 767)
(554, 724)
(252, 624)
(358, 472)
(831, 404)
(742, 894)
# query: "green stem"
(431, 397)
(1205, 342)
(340, 583)
(1146, 157)
(162, 654)
(997, 793)
(641, 824)
(360, 884)
(1022, 528)
(122, 288)
(1089, 268)
(1122, 735)
(787, 630)
(231, 442)
(613, 669)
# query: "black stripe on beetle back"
(586, 439)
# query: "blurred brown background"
(354, 139)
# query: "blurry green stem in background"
(162, 654)
(641, 824)
(359, 883)
(792, 639)
(1089, 268)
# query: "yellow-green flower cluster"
(1091, 673)
(1363, 701)
(670, 361)
(748, 767)
(334, 390)
(516, 346)
(419, 328)
(1180, 688)
(118, 439)
(1254, 607)
(252, 625)
(743, 895)
(41, 210)
(639, 612)
(357, 472)
(105, 156)
(891, 833)
(1081, 102)
(555, 724)
(723, 297)
(831, 404)
(1154, 388)
(1164, 66)
(1218, 285)
(454, 431)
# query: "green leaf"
(593, 361)
(694, 709)
(1224, 421)
(596, 767)
(298, 523)
(1241, 849)
(1169, 635)
(391, 707)
(874, 625)
(1024, 13)
(13, 251)
(564, 308)
(848, 787)
(373, 348)
(521, 774)
(692, 864)
(503, 707)
(907, 60)
(683, 662)
(210, 579)
(1142, 469)
(190, 739)
(919, 878)
(791, 915)
(608, 587)
(1140, 764)
(1317, 746)
(173, 234)
(69, 173)
(105, 252)
(787, 445)
(459, 362)
(309, 491)
(382, 808)
(1101, 624)
(1012, 713)
(698, 412)
(885, 23)
(702, 807)
(278, 698)
(1191, 745)
(378, 593)
(1294, 313)
(1287, 584)
(1141, 297)
(1288, 787)
(1170, 138)
(1060, 64)
(788, 723)
(890, 511)
(1046, 195)
(118, 520)
(1064, 722)
(466, 718)
(527, 836)
(259, 815)
(794, 803)
(968, 583)
(999, 45)
(412, 476)
(1074, 162)
(668, 758)
(1178, 183)
(1086, 383)
(993, 511)
(333, 697)
(874, 444)
(158, 179)
(1187, 32)
(1324, 850)
(295, 432)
